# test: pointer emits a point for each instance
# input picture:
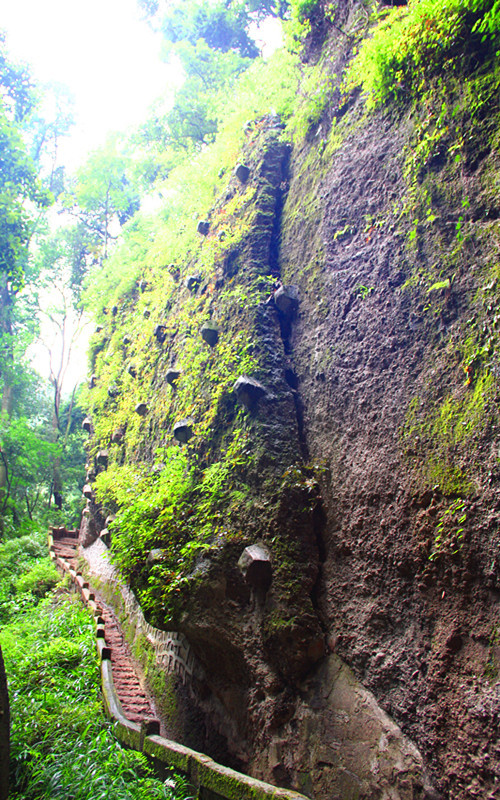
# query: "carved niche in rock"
(183, 430)
(248, 391)
(210, 333)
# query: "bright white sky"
(100, 49)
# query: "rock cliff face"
(341, 597)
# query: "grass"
(61, 744)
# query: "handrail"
(210, 779)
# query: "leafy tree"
(4, 733)
(102, 198)
(27, 458)
(213, 42)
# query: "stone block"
(183, 430)
(203, 227)
(141, 409)
(286, 299)
(192, 282)
(255, 566)
(172, 376)
(155, 556)
(102, 458)
(242, 172)
(87, 425)
(160, 333)
(248, 391)
(117, 435)
(210, 333)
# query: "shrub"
(39, 580)
(413, 42)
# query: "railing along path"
(127, 704)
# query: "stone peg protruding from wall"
(210, 333)
(286, 299)
(242, 172)
(113, 391)
(105, 537)
(183, 430)
(155, 556)
(203, 227)
(160, 333)
(255, 566)
(92, 381)
(248, 391)
(117, 435)
(126, 339)
(102, 458)
(132, 371)
(192, 282)
(141, 409)
(87, 491)
(87, 425)
(172, 376)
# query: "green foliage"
(27, 458)
(61, 745)
(39, 580)
(18, 174)
(17, 557)
(411, 44)
(304, 9)
(176, 507)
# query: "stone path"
(135, 703)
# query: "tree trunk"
(4, 732)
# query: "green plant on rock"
(449, 533)
(413, 43)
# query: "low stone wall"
(212, 781)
